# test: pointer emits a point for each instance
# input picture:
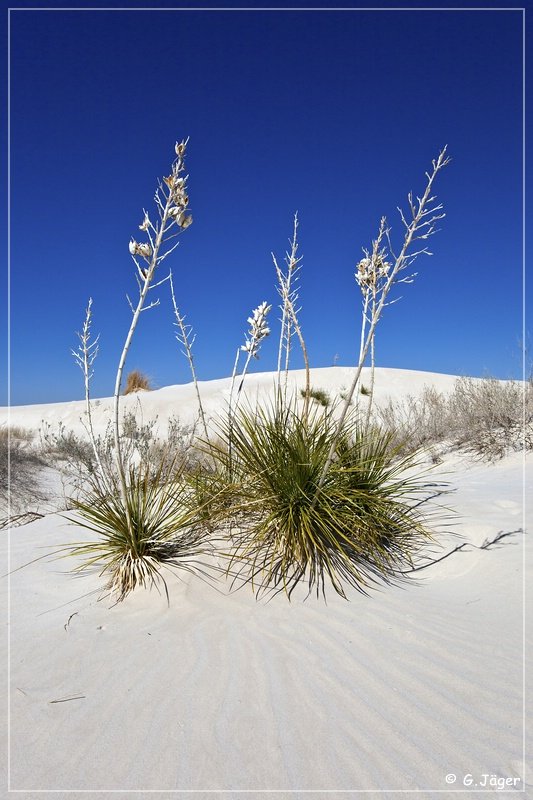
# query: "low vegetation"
(485, 416)
(20, 464)
(319, 395)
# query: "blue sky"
(335, 114)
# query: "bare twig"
(184, 337)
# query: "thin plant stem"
(85, 358)
(184, 338)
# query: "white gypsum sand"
(220, 692)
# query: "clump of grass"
(360, 527)
(320, 395)
(364, 390)
(137, 381)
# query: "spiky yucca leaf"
(164, 532)
(360, 528)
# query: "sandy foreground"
(219, 695)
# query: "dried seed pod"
(144, 250)
(185, 222)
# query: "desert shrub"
(75, 455)
(364, 390)
(136, 381)
(484, 416)
(20, 464)
(359, 528)
(65, 446)
(158, 531)
(16, 433)
(488, 415)
(320, 395)
(416, 422)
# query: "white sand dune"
(225, 696)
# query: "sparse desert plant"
(416, 422)
(491, 417)
(137, 381)
(186, 338)
(20, 464)
(362, 526)
(62, 445)
(364, 390)
(74, 455)
(320, 395)
(484, 416)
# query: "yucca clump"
(362, 526)
(158, 531)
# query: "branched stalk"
(289, 317)
(85, 357)
(424, 217)
(289, 296)
(184, 337)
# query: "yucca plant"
(363, 525)
(159, 529)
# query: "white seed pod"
(144, 250)
(185, 222)
(133, 246)
(145, 223)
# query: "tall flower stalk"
(288, 291)
(371, 275)
(257, 332)
(419, 224)
(172, 207)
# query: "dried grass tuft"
(137, 381)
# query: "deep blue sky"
(334, 114)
